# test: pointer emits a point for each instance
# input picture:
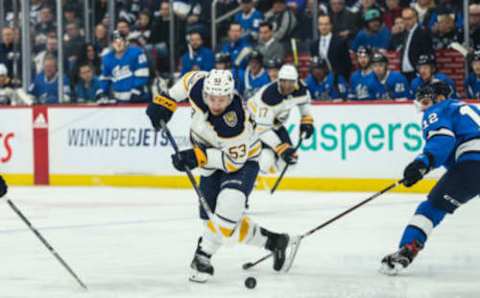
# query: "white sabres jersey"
(229, 140)
(269, 109)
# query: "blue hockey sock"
(425, 219)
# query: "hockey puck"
(247, 266)
(250, 282)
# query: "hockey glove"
(189, 159)
(287, 153)
(3, 187)
(161, 109)
(306, 126)
(414, 172)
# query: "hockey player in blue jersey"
(273, 67)
(387, 84)
(324, 85)
(427, 73)
(254, 77)
(472, 82)
(451, 129)
(362, 77)
(125, 73)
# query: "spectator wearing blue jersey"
(427, 73)
(44, 88)
(237, 47)
(472, 82)
(362, 77)
(249, 19)
(375, 35)
(197, 57)
(324, 85)
(254, 76)
(125, 73)
(388, 84)
(87, 86)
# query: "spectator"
(392, 12)
(375, 34)
(474, 20)
(423, 9)
(254, 77)
(267, 45)
(398, 35)
(88, 56)
(189, 11)
(125, 73)
(198, 57)
(143, 28)
(8, 56)
(44, 88)
(5, 86)
(87, 86)
(417, 42)
(70, 14)
(51, 50)
(249, 18)
(282, 20)
(446, 32)
(159, 39)
(73, 43)
(237, 47)
(273, 67)
(297, 6)
(453, 6)
(123, 27)
(427, 73)
(101, 38)
(388, 84)
(472, 82)
(324, 85)
(362, 77)
(332, 48)
(343, 20)
(45, 25)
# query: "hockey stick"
(293, 253)
(279, 179)
(45, 242)
(201, 198)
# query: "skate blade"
(294, 245)
(198, 277)
(390, 271)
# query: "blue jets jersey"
(201, 59)
(250, 83)
(417, 82)
(250, 22)
(122, 75)
(46, 91)
(326, 89)
(472, 86)
(451, 129)
(359, 83)
(394, 86)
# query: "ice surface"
(134, 242)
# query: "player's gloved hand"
(3, 187)
(306, 126)
(135, 95)
(102, 99)
(287, 153)
(189, 159)
(161, 109)
(414, 172)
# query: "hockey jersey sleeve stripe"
(142, 72)
(255, 150)
(440, 132)
(166, 102)
(186, 79)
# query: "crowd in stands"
(348, 60)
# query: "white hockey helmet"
(3, 70)
(219, 83)
(288, 72)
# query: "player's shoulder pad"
(232, 122)
(301, 90)
(270, 95)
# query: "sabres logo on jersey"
(231, 119)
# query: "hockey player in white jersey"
(270, 108)
(226, 149)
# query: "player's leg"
(208, 243)
(456, 187)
